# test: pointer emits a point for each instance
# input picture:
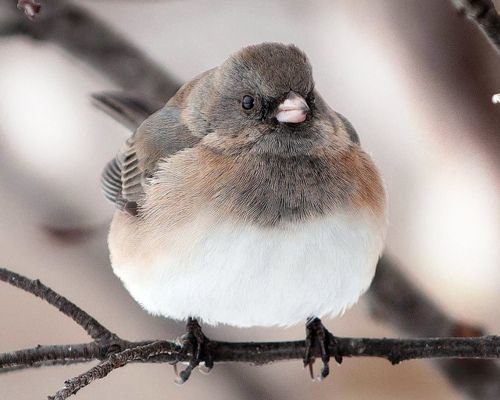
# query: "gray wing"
(159, 136)
(121, 179)
(336, 118)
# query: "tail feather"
(128, 108)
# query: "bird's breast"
(268, 191)
(226, 271)
(252, 241)
(262, 190)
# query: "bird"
(247, 201)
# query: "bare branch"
(45, 356)
(50, 355)
(117, 352)
(142, 353)
(95, 330)
(394, 350)
(485, 16)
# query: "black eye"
(247, 102)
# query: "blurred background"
(414, 78)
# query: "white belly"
(252, 276)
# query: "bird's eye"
(247, 102)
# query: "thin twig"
(142, 353)
(95, 330)
(394, 350)
(485, 16)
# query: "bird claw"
(196, 344)
(318, 335)
(204, 369)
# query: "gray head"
(268, 73)
(262, 99)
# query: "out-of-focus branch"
(117, 353)
(397, 301)
(485, 16)
(89, 39)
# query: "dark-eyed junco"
(246, 200)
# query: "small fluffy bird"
(246, 200)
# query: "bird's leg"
(196, 344)
(318, 335)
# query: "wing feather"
(159, 136)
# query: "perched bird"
(246, 200)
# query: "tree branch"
(259, 353)
(484, 15)
(89, 39)
(394, 299)
(50, 355)
(118, 352)
(95, 330)
(394, 350)
(142, 353)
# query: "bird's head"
(262, 99)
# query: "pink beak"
(293, 110)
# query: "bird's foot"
(196, 345)
(318, 335)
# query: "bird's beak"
(293, 110)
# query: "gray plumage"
(297, 180)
